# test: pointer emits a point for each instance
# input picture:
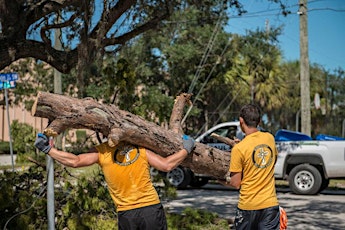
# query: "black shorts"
(263, 219)
(145, 218)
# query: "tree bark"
(121, 126)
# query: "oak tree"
(88, 29)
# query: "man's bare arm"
(233, 181)
(168, 163)
(72, 160)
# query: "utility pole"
(304, 69)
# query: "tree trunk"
(121, 126)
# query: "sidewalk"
(6, 159)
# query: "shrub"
(22, 201)
(5, 147)
(81, 203)
(24, 137)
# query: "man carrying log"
(126, 170)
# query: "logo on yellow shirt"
(262, 156)
(126, 155)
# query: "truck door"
(335, 158)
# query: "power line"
(204, 57)
(265, 13)
(202, 62)
(325, 9)
(204, 83)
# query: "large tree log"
(121, 126)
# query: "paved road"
(319, 212)
(6, 159)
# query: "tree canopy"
(139, 55)
(88, 29)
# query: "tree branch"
(133, 33)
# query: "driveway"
(323, 211)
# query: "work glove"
(188, 143)
(42, 143)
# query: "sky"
(326, 29)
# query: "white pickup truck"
(181, 177)
(307, 164)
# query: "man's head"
(250, 114)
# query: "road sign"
(8, 80)
(8, 77)
(7, 85)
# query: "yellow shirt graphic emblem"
(126, 156)
(262, 156)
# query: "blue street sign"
(8, 76)
(8, 80)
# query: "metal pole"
(50, 161)
(343, 130)
(3, 122)
(50, 192)
(9, 128)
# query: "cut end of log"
(34, 106)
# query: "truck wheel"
(198, 181)
(153, 172)
(324, 184)
(305, 179)
(179, 177)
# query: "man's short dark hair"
(251, 115)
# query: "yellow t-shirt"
(127, 173)
(255, 156)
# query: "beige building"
(23, 116)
